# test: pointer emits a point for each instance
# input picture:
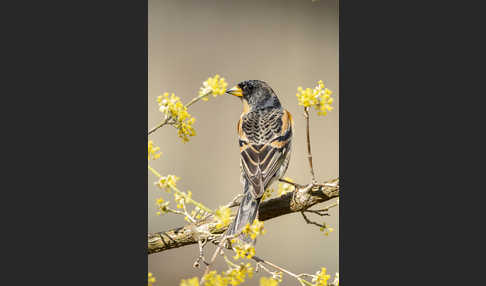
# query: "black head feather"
(259, 94)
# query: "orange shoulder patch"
(287, 121)
(239, 129)
(238, 126)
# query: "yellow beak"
(236, 91)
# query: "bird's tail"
(247, 213)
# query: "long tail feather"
(247, 213)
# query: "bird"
(265, 138)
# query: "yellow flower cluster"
(172, 107)
(234, 276)
(267, 194)
(336, 279)
(246, 250)
(322, 277)
(264, 281)
(163, 206)
(190, 282)
(237, 276)
(223, 215)
(284, 187)
(181, 198)
(319, 97)
(326, 229)
(214, 85)
(197, 213)
(151, 279)
(255, 229)
(152, 151)
(167, 182)
(214, 279)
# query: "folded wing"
(264, 143)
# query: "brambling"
(265, 137)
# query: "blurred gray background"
(285, 43)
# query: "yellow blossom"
(267, 194)
(167, 182)
(152, 151)
(255, 229)
(284, 187)
(248, 269)
(306, 97)
(173, 108)
(319, 97)
(151, 279)
(163, 206)
(265, 281)
(322, 277)
(198, 213)
(214, 85)
(179, 199)
(223, 215)
(190, 282)
(214, 279)
(236, 276)
(277, 276)
(326, 229)
(246, 250)
(336, 279)
(233, 276)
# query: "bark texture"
(302, 198)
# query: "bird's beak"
(236, 91)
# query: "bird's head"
(255, 94)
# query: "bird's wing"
(264, 141)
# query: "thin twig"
(262, 261)
(290, 183)
(170, 210)
(323, 212)
(336, 203)
(261, 265)
(309, 153)
(164, 122)
(213, 258)
(201, 243)
(318, 212)
(197, 98)
(308, 275)
(186, 213)
(275, 274)
(307, 220)
(215, 254)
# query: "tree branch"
(296, 201)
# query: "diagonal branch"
(296, 201)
